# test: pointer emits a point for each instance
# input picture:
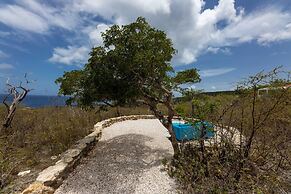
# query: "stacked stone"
(52, 177)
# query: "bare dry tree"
(18, 94)
(260, 110)
(251, 149)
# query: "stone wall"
(52, 177)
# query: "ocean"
(37, 101)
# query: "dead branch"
(18, 93)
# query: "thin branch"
(18, 96)
(5, 103)
(107, 103)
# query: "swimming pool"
(185, 131)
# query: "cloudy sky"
(226, 40)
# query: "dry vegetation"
(38, 134)
(259, 164)
(264, 168)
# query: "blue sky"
(226, 40)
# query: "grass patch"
(38, 134)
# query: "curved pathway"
(126, 160)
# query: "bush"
(38, 134)
(259, 162)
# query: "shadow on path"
(115, 166)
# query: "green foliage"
(203, 101)
(202, 109)
(181, 109)
(71, 82)
(134, 64)
(187, 76)
(189, 93)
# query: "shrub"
(259, 162)
(38, 134)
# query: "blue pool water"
(185, 131)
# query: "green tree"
(132, 67)
(189, 94)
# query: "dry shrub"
(266, 168)
(38, 134)
(190, 170)
(260, 164)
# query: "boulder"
(38, 188)
(52, 173)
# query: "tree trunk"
(9, 117)
(117, 111)
(166, 121)
(202, 148)
(173, 138)
(192, 109)
(17, 98)
(170, 127)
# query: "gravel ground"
(126, 160)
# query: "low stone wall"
(52, 177)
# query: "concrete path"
(126, 160)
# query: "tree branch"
(4, 102)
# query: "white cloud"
(4, 34)
(193, 29)
(78, 55)
(216, 50)
(213, 50)
(4, 66)
(122, 10)
(54, 17)
(283, 34)
(20, 18)
(3, 54)
(37, 17)
(263, 26)
(215, 72)
(70, 56)
(193, 87)
(94, 33)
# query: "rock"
(96, 133)
(38, 188)
(54, 157)
(97, 129)
(23, 173)
(50, 174)
(70, 154)
(87, 140)
(54, 175)
(98, 125)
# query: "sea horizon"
(39, 101)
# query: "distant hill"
(228, 92)
(219, 92)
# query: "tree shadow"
(115, 165)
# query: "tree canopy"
(132, 65)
